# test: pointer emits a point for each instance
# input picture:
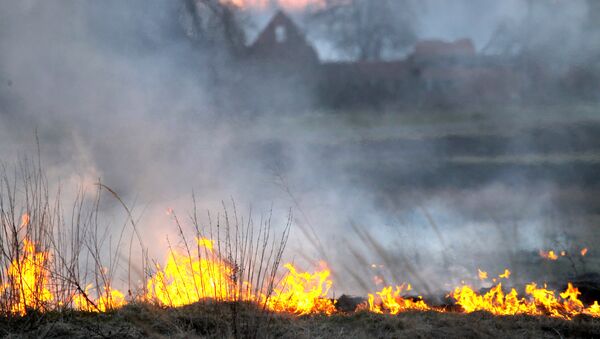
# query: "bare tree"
(367, 29)
(214, 23)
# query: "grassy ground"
(229, 321)
(334, 127)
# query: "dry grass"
(214, 320)
(74, 254)
(80, 252)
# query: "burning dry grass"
(57, 278)
(215, 320)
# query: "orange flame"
(303, 293)
(505, 275)
(550, 255)
(593, 310)
(185, 280)
(482, 274)
(391, 301)
(109, 300)
(540, 301)
(583, 251)
(28, 279)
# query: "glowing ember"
(583, 251)
(550, 255)
(505, 275)
(482, 274)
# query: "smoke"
(116, 91)
(541, 20)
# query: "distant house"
(453, 72)
(364, 82)
(280, 68)
(282, 42)
(436, 72)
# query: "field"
(204, 320)
(64, 273)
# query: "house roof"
(282, 39)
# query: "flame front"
(539, 301)
(28, 285)
(186, 279)
(391, 301)
(303, 293)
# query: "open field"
(59, 278)
(299, 169)
(205, 320)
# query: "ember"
(550, 255)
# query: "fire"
(191, 277)
(303, 293)
(505, 275)
(550, 255)
(187, 279)
(29, 283)
(207, 243)
(539, 301)
(109, 300)
(391, 301)
(593, 310)
(583, 251)
(28, 279)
